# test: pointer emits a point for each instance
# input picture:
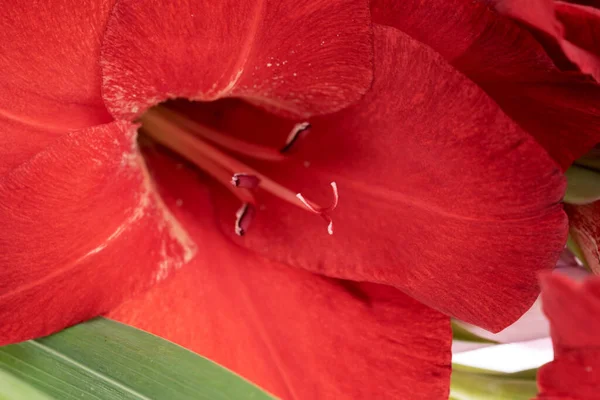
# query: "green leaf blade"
(10, 384)
(103, 359)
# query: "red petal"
(81, 231)
(572, 309)
(541, 15)
(304, 57)
(298, 335)
(580, 24)
(584, 224)
(561, 110)
(49, 64)
(441, 195)
(591, 3)
(19, 142)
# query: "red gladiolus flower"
(572, 308)
(440, 189)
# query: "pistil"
(182, 136)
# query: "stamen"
(204, 163)
(245, 181)
(220, 164)
(244, 217)
(298, 132)
(219, 138)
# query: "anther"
(244, 217)
(298, 132)
(245, 181)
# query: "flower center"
(210, 150)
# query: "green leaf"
(460, 332)
(12, 387)
(529, 374)
(470, 386)
(103, 359)
(583, 185)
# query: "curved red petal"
(582, 29)
(298, 335)
(591, 3)
(561, 110)
(81, 231)
(303, 57)
(441, 195)
(541, 15)
(572, 309)
(49, 64)
(584, 225)
(581, 25)
(20, 141)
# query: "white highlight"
(508, 358)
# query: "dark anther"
(298, 132)
(243, 219)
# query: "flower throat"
(210, 150)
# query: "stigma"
(213, 152)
